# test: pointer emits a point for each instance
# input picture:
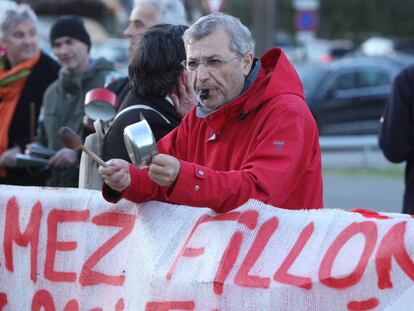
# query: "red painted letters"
(194, 252)
(282, 275)
(263, 236)
(392, 245)
(3, 300)
(112, 219)
(53, 245)
(365, 305)
(169, 305)
(30, 235)
(42, 300)
(369, 230)
(227, 262)
(72, 305)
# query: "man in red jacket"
(250, 136)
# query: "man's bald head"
(147, 13)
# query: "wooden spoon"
(73, 141)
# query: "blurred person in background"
(25, 73)
(154, 72)
(144, 14)
(63, 103)
(397, 131)
(147, 13)
(251, 136)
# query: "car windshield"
(311, 76)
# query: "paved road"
(368, 191)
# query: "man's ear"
(247, 62)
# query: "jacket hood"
(277, 76)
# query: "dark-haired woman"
(155, 74)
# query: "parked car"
(324, 51)
(348, 96)
(379, 46)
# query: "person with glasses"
(251, 135)
(154, 74)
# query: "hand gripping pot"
(140, 143)
(101, 104)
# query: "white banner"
(67, 249)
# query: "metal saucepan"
(101, 104)
(140, 143)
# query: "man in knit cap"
(63, 103)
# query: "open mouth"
(204, 94)
(65, 60)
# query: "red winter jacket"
(265, 147)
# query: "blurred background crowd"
(319, 36)
(347, 54)
(313, 33)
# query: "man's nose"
(29, 39)
(62, 49)
(127, 32)
(203, 72)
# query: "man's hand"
(8, 157)
(183, 97)
(116, 174)
(64, 158)
(164, 169)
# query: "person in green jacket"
(63, 103)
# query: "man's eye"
(18, 35)
(192, 64)
(214, 62)
(138, 24)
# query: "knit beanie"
(70, 26)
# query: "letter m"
(30, 235)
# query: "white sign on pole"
(306, 5)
